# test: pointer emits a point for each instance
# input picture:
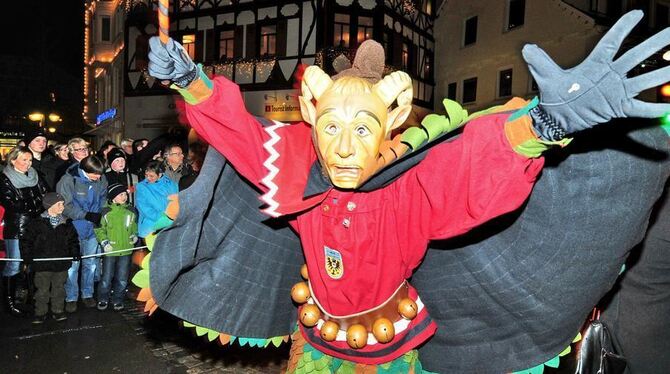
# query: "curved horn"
(397, 85)
(315, 82)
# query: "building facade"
(261, 45)
(104, 69)
(479, 42)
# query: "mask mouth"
(346, 171)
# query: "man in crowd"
(173, 161)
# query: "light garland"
(408, 6)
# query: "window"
(405, 56)
(341, 35)
(105, 29)
(426, 66)
(364, 29)
(470, 90)
(226, 44)
(268, 45)
(451, 91)
(470, 35)
(505, 83)
(516, 10)
(188, 41)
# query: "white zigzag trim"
(268, 181)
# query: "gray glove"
(597, 90)
(170, 62)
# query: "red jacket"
(380, 236)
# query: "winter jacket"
(125, 178)
(118, 224)
(53, 168)
(42, 240)
(82, 196)
(20, 205)
(175, 175)
(151, 201)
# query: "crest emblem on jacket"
(334, 265)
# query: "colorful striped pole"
(163, 21)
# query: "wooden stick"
(163, 21)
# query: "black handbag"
(598, 351)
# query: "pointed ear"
(397, 117)
(308, 110)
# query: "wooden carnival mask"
(351, 120)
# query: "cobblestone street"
(91, 341)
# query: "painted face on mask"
(348, 133)
(351, 120)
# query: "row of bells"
(357, 334)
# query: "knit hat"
(114, 190)
(50, 199)
(114, 154)
(32, 134)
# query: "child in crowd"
(152, 196)
(50, 235)
(117, 231)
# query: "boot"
(9, 284)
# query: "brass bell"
(309, 315)
(357, 336)
(303, 272)
(408, 308)
(383, 330)
(329, 331)
(300, 293)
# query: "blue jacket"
(82, 195)
(151, 199)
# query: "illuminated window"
(188, 41)
(226, 44)
(341, 35)
(364, 29)
(505, 83)
(268, 46)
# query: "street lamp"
(41, 118)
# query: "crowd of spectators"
(89, 209)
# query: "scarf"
(21, 180)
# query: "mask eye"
(331, 129)
(362, 130)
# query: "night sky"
(47, 30)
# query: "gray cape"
(507, 296)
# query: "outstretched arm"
(215, 109)
(598, 89)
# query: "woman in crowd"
(152, 196)
(21, 192)
(54, 167)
